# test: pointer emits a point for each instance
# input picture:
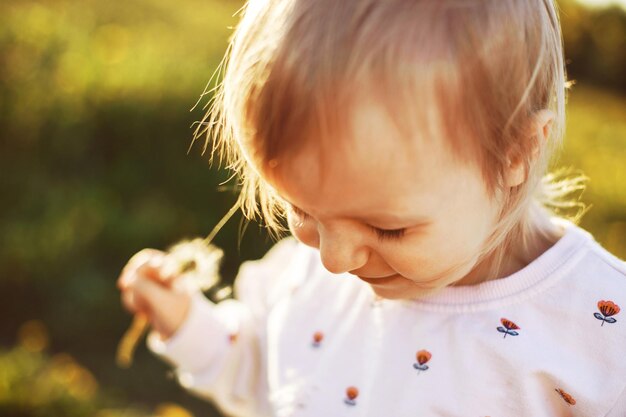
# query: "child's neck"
(543, 236)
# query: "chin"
(403, 293)
(389, 294)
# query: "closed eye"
(384, 234)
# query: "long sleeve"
(218, 352)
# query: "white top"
(300, 341)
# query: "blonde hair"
(293, 68)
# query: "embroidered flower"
(351, 394)
(422, 357)
(608, 309)
(566, 397)
(232, 338)
(317, 338)
(509, 327)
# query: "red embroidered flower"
(566, 397)
(509, 327)
(509, 324)
(317, 338)
(351, 394)
(232, 338)
(422, 357)
(608, 309)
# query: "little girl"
(405, 142)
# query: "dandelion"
(193, 265)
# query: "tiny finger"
(146, 256)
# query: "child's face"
(397, 212)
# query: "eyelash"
(383, 234)
(389, 234)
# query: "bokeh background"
(95, 126)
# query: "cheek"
(434, 253)
(455, 242)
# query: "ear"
(539, 131)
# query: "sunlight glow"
(600, 3)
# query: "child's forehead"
(371, 155)
(375, 133)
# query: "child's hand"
(157, 287)
(147, 290)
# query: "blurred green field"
(94, 109)
(596, 144)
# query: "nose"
(341, 250)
